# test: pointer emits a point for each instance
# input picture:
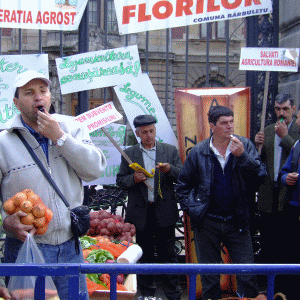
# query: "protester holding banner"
(154, 212)
(66, 151)
(277, 140)
(215, 188)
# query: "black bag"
(80, 220)
(80, 216)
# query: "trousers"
(208, 235)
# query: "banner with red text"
(137, 16)
(269, 59)
(99, 117)
(42, 14)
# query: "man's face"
(285, 111)
(224, 127)
(32, 95)
(147, 135)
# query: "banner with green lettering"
(10, 67)
(97, 69)
(138, 97)
(113, 156)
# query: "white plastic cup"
(131, 255)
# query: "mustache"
(281, 117)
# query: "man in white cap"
(66, 150)
(153, 212)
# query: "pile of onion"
(38, 214)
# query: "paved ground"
(160, 294)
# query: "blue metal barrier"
(191, 270)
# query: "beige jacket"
(78, 159)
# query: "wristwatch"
(61, 140)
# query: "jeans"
(53, 254)
(208, 236)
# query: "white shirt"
(149, 157)
(222, 160)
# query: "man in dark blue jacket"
(215, 188)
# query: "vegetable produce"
(38, 214)
(111, 226)
(101, 250)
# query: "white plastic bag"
(22, 287)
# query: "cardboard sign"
(269, 59)
(10, 67)
(99, 117)
(138, 97)
(137, 16)
(42, 14)
(93, 70)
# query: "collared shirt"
(223, 160)
(149, 157)
(43, 141)
(277, 154)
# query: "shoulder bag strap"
(42, 168)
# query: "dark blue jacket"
(195, 180)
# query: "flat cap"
(143, 120)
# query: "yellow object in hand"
(137, 167)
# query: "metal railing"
(191, 270)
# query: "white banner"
(269, 59)
(137, 16)
(116, 131)
(10, 67)
(113, 158)
(99, 117)
(138, 97)
(97, 69)
(42, 14)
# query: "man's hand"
(48, 126)
(281, 129)
(139, 176)
(237, 147)
(4, 293)
(163, 167)
(259, 138)
(292, 178)
(13, 225)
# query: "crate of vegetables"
(99, 249)
(130, 285)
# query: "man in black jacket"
(215, 188)
(154, 213)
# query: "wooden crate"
(130, 284)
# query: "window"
(177, 33)
(6, 31)
(94, 16)
(112, 25)
(217, 30)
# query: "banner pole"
(264, 108)
(123, 153)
